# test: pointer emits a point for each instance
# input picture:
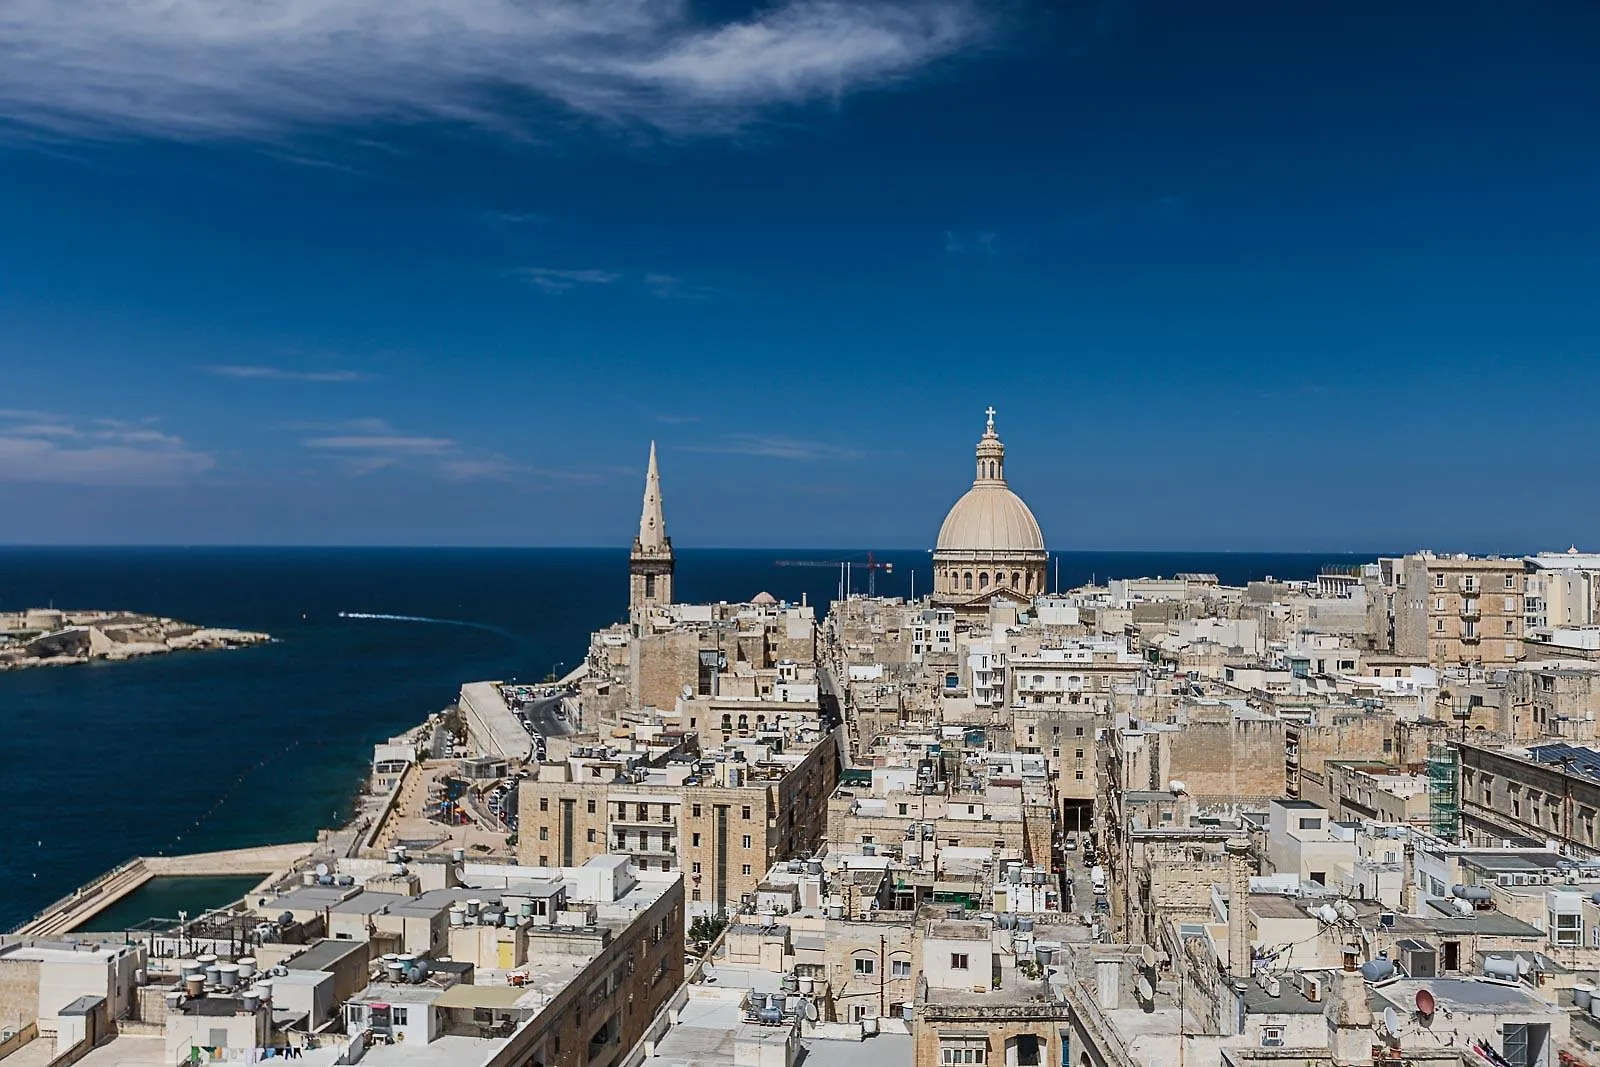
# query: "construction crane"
(872, 566)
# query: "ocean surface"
(199, 751)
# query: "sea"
(199, 751)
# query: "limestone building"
(650, 564)
(990, 544)
(1461, 609)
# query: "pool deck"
(73, 911)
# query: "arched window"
(744, 722)
(983, 579)
(968, 578)
(1016, 580)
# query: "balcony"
(1470, 609)
(1471, 637)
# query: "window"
(746, 814)
(544, 833)
(1566, 928)
(1320, 877)
(746, 869)
(866, 966)
(1511, 583)
(694, 839)
(1314, 823)
(591, 807)
(544, 861)
(697, 811)
(694, 894)
(644, 813)
(1272, 1037)
(1438, 581)
(959, 1055)
(899, 968)
(1438, 603)
(1511, 603)
(1077, 731)
(696, 868)
(745, 841)
(1077, 775)
(1511, 627)
(1511, 648)
(589, 836)
(905, 809)
(1080, 753)
(544, 803)
(397, 1015)
(958, 961)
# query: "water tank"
(1582, 994)
(195, 985)
(398, 870)
(247, 968)
(1006, 920)
(1463, 907)
(174, 1000)
(394, 854)
(419, 971)
(188, 967)
(458, 915)
(286, 918)
(1471, 892)
(474, 906)
(791, 984)
(207, 959)
(526, 910)
(1377, 970)
(813, 866)
(265, 986)
(395, 971)
(347, 880)
(214, 974)
(308, 878)
(1025, 923)
(1501, 967)
(228, 975)
(1594, 1007)
(252, 999)
(907, 1011)
(808, 984)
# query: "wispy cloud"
(43, 447)
(668, 418)
(261, 69)
(283, 374)
(555, 281)
(980, 243)
(383, 444)
(775, 446)
(672, 287)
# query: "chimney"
(1348, 1016)
(1238, 908)
(1408, 884)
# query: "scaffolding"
(1444, 805)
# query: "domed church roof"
(990, 518)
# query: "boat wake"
(381, 617)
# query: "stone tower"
(650, 564)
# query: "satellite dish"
(1391, 1022)
(1523, 966)
(1327, 914)
(1346, 910)
(322, 870)
(1145, 992)
(1425, 1002)
(811, 1011)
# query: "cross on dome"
(989, 411)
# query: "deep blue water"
(200, 751)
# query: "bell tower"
(650, 563)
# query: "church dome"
(990, 518)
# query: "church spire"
(652, 525)
(651, 562)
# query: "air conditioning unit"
(1386, 920)
(1311, 987)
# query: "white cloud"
(283, 374)
(775, 446)
(41, 447)
(559, 281)
(390, 444)
(198, 69)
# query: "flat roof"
(324, 953)
(481, 996)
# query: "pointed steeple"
(650, 564)
(652, 524)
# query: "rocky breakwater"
(48, 638)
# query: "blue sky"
(1291, 276)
